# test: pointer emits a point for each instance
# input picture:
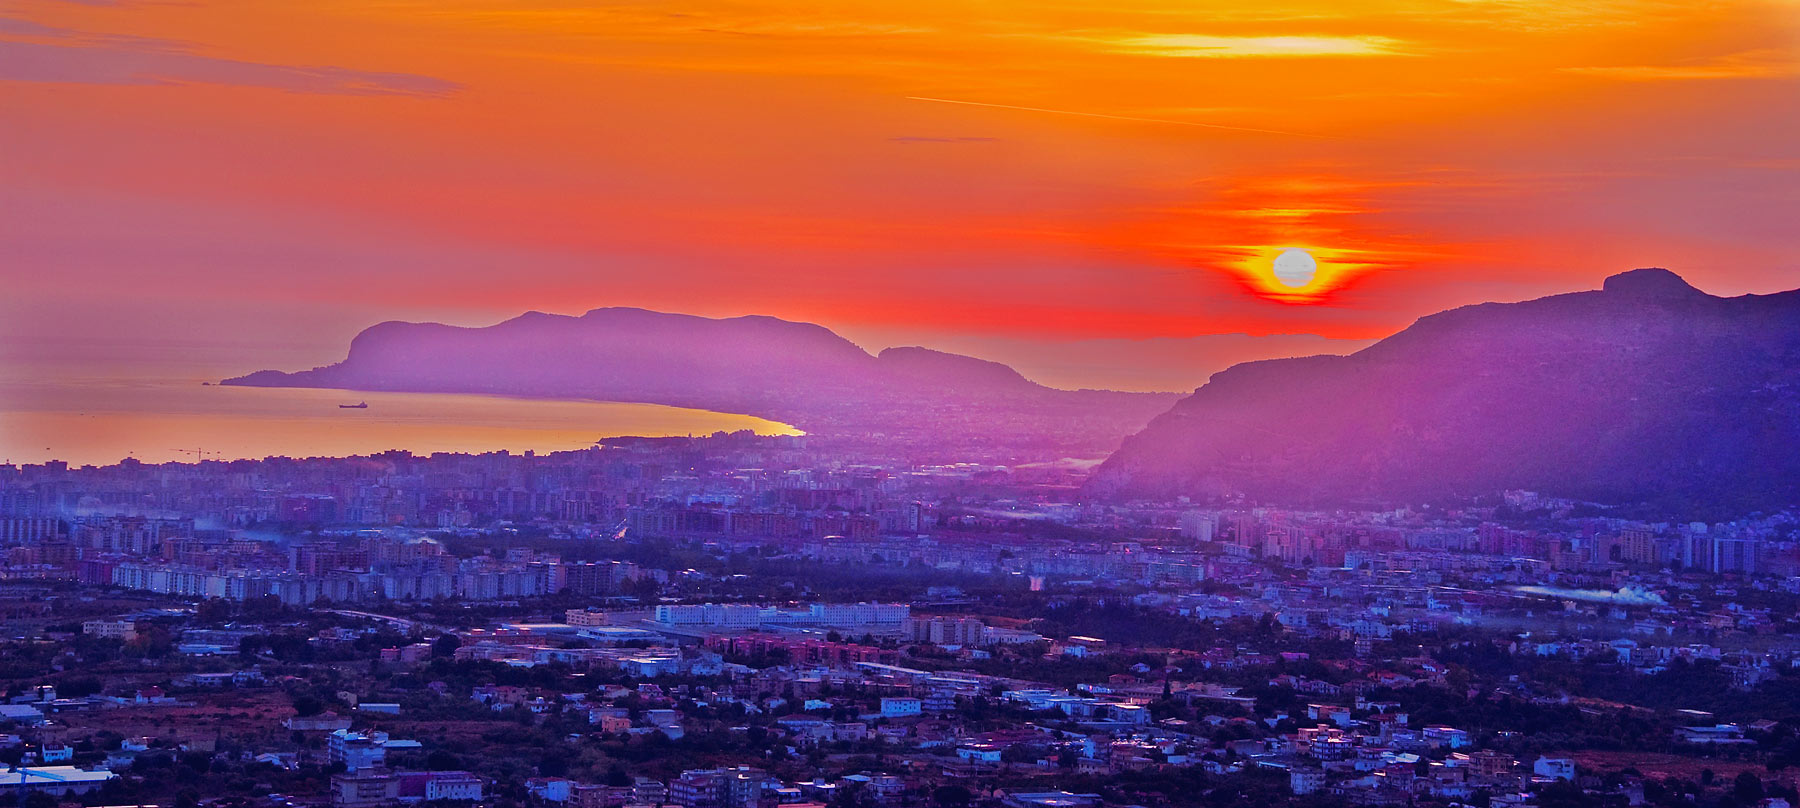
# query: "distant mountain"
(926, 366)
(1647, 391)
(798, 373)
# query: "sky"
(1093, 192)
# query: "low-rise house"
(56, 781)
(553, 789)
(1554, 768)
(21, 713)
(1051, 799)
(1716, 735)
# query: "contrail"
(1116, 117)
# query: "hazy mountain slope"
(1647, 390)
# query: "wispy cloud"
(939, 139)
(31, 51)
(1760, 64)
(1109, 117)
(811, 28)
(654, 22)
(1201, 46)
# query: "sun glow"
(1298, 274)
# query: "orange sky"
(1099, 204)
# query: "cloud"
(929, 139)
(1107, 116)
(812, 28)
(16, 26)
(614, 20)
(1542, 17)
(40, 53)
(1199, 46)
(1760, 64)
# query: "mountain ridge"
(1646, 390)
(799, 373)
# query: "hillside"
(1646, 391)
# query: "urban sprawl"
(751, 622)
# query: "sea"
(172, 409)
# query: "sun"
(1294, 268)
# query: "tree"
(307, 705)
(213, 610)
(1018, 753)
(444, 647)
(441, 760)
(1561, 794)
(1747, 787)
(79, 687)
(952, 796)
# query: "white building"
(723, 615)
(1306, 780)
(457, 786)
(899, 706)
(1554, 768)
(55, 780)
(360, 751)
(121, 630)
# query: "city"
(735, 621)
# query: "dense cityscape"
(738, 621)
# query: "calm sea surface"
(102, 414)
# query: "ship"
(360, 405)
